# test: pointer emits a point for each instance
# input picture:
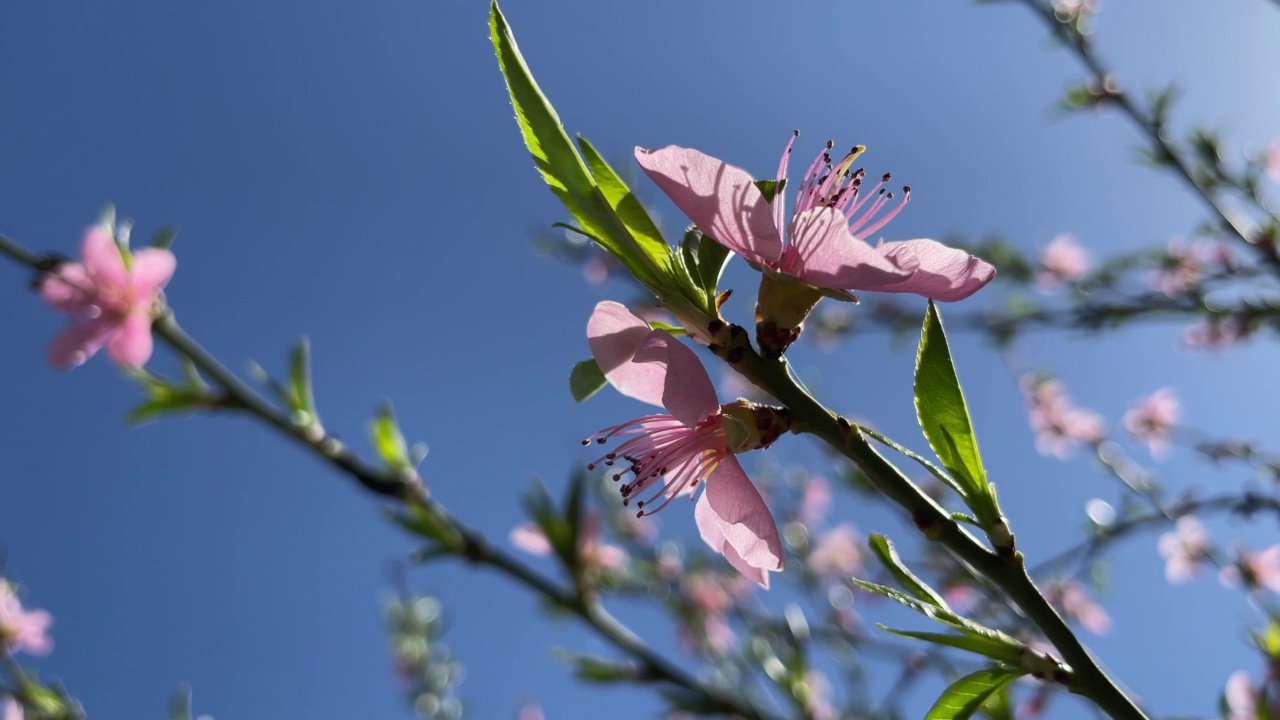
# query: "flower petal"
(722, 200)
(78, 342)
(152, 268)
(68, 288)
(131, 346)
(102, 258)
(825, 254)
(713, 536)
(742, 517)
(614, 334)
(687, 392)
(943, 273)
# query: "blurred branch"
(405, 486)
(1150, 121)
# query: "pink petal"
(78, 342)
(614, 334)
(944, 273)
(1239, 695)
(741, 517)
(722, 200)
(152, 268)
(102, 258)
(823, 253)
(709, 527)
(687, 392)
(67, 289)
(530, 538)
(131, 346)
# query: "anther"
(887, 177)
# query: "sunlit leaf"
(586, 380)
(965, 696)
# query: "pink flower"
(672, 455)
(1241, 697)
(1151, 418)
(530, 711)
(12, 710)
(1062, 261)
(23, 630)
(1180, 270)
(1254, 570)
(591, 551)
(837, 554)
(834, 214)
(1077, 605)
(1271, 160)
(1184, 549)
(109, 299)
(1215, 334)
(818, 704)
(1059, 426)
(815, 500)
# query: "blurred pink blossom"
(23, 630)
(591, 550)
(1254, 570)
(1241, 697)
(109, 300)
(838, 554)
(815, 501)
(1151, 418)
(961, 596)
(819, 705)
(1184, 549)
(1180, 270)
(1271, 160)
(1076, 604)
(530, 711)
(1214, 334)
(12, 710)
(1062, 261)
(1058, 425)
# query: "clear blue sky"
(352, 171)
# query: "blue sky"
(352, 171)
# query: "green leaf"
(597, 670)
(426, 524)
(668, 327)
(180, 705)
(644, 232)
(888, 556)
(944, 416)
(166, 396)
(934, 470)
(302, 400)
(979, 644)
(163, 237)
(563, 168)
(770, 188)
(586, 380)
(966, 695)
(388, 440)
(944, 615)
(574, 515)
(712, 260)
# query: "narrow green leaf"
(388, 440)
(163, 237)
(946, 616)
(574, 515)
(944, 416)
(560, 164)
(712, 260)
(597, 670)
(667, 327)
(934, 470)
(888, 556)
(426, 524)
(644, 232)
(1010, 654)
(586, 380)
(966, 695)
(300, 379)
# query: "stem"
(1010, 575)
